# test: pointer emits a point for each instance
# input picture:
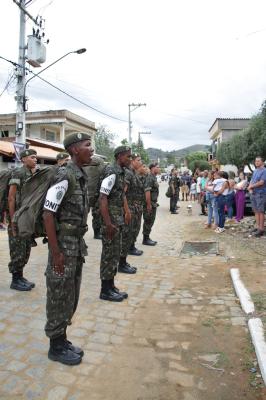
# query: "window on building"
(4, 134)
(50, 136)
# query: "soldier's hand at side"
(149, 208)
(14, 229)
(111, 231)
(59, 261)
(127, 217)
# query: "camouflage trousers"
(148, 220)
(96, 218)
(19, 250)
(62, 295)
(130, 232)
(110, 254)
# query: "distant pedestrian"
(221, 188)
(240, 196)
(193, 190)
(257, 190)
(211, 201)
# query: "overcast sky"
(190, 61)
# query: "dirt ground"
(181, 335)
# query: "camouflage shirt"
(67, 198)
(151, 185)
(112, 185)
(135, 188)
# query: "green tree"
(104, 144)
(195, 158)
(202, 165)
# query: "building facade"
(45, 132)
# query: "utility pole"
(129, 118)
(20, 114)
(36, 59)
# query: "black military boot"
(58, 351)
(125, 267)
(133, 251)
(116, 290)
(147, 241)
(19, 283)
(31, 284)
(97, 234)
(107, 292)
(71, 347)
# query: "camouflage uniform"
(71, 222)
(174, 182)
(111, 248)
(134, 195)
(151, 185)
(94, 171)
(19, 248)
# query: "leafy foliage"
(104, 144)
(244, 147)
(197, 159)
(201, 165)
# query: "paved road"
(181, 334)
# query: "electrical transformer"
(36, 54)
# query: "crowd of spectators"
(222, 196)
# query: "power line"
(78, 100)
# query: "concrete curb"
(257, 334)
(242, 293)
(254, 324)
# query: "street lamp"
(143, 133)
(22, 100)
(79, 51)
(129, 118)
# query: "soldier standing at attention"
(115, 212)
(62, 159)
(151, 189)
(19, 248)
(134, 195)
(65, 219)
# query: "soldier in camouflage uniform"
(134, 194)
(115, 213)
(151, 189)
(174, 183)
(65, 218)
(19, 248)
(62, 159)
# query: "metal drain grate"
(199, 248)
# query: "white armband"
(55, 196)
(107, 184)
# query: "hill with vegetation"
(178, 155)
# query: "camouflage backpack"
(28, 218)
(5, 177)
(94, 172)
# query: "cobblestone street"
(180, 335)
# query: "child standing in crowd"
(193, 190)
(240, 196)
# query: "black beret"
(121, 149)
(75, 138)
(62, 156)
(27, 152)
